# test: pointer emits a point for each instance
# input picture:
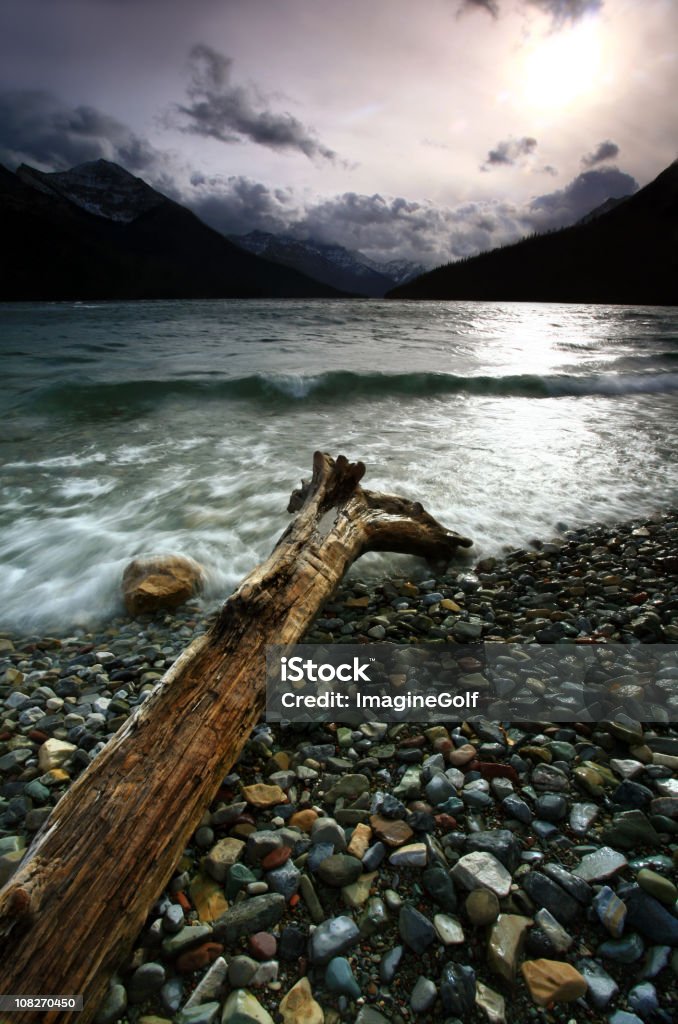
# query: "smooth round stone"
(389, 963)
(440, 887)
(146, 980)
(423, 995)
(340, 869)
(339, 978)
(204, 837)
(415, 929)
(661, 888)
(263, 945)
(458, 989)
(643, 999)
(241, 970)
(622, 951)
(449, 930)
(113, 1006)
(482, 907)
(551, 807)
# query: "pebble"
(553, 981)
(600, 864)
(241, 1007)
(415, 929)
(570, 812)
(331, 938)
(298, 1006)
(339, 978)
(424, 995)
(458, 989)
(482, 870)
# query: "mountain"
(334, 265)
(628, 254)
(97, 232)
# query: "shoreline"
(410, 804)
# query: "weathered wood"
(69, 915)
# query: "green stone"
(239, 875)
(661, 888)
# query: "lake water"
(132, 428)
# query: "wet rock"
(242, 1007)
(458, 989)
(482, 870)
(601, 987)
(505, 944)
(339, 978)
(415, 929)
(544, 892)
(253, 915)
(332, 938)
(553, 981)
(482, 907)
(440, 887)
(299, 1007)
(149, 584)
(599, 865)
(424, 995)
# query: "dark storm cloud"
(386, 227)
(237, 205)
(508, 152)
(587, 191)
(604, 151)
(560, 10)
(36, 127)
(219, 109)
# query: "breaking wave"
(339, 386)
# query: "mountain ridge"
(627, 254)
(68, 235)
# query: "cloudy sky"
(426, 131)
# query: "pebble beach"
(472, 871)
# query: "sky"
(424, 131)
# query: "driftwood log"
(71, 912)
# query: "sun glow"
(563, 67)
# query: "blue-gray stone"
(415, 929)
(146, 981)
(339, 978)
(649, 917)
(284, 879)
(172, 995)
(656, 960)
(602, 988)
(440, 887)
(622, 1017)
(643, 999)
(423, 995)
(574, 886)
(331, 938)
(317, 854)
(113, 1006)
(458, 989)
(544, 892)
(500, 842)
(611, 911)
(622, 951)
(439, 789)
(388, 965)
(517, 808)
(632, 794)
(173, 919)
(204, 1013)
(374, 856)
(550, 807)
